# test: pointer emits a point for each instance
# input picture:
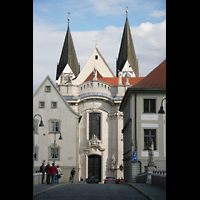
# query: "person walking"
(73, 172)
(53, 171)
(42, 169)
(47, 168)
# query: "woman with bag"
(59, 173)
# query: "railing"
(158, 178)
(160, 172)
(38, 178)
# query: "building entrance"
(94, 166)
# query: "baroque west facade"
(94, 123)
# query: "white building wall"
(68, 128)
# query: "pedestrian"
(53, 171)
(47, 168)
(59, 173)
(73, 172)
(42, 169)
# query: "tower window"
(96, 57)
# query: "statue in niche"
(70, 77)
(94, 74)
(62, 78)
(119, 78)
(151, 153)
(113, 162)
(127, 78)
(94, 139)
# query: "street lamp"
(60, 138)
(41, 124)
(161, 111)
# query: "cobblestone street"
(92, 191)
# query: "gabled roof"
(127, 51)
(68, 56)
(113, 80)
(156, 79)
(90, 77)
(104, 61)
(53, 85)
(99, 63)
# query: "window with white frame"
(55, 126)
(53, 104)
(36, 153)
(41, 104)
(149, 105)
(51, 152)
(56, 152)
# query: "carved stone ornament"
(94, 146)
(113, 163)
(151, 153)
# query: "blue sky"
(103, 19)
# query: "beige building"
(57, 115)
(141, 122)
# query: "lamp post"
(41, 124)
(60, 138)
(161, 111)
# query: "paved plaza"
(92, 191)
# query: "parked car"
(118, 181)
(92, 179)
(110, 180)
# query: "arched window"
(95, 125)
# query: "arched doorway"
(94, 166)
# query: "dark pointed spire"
(127, 51)
(68, 56)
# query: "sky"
(101, 19)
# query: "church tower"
(68, 61)
(127, 58)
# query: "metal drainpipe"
(136, 147)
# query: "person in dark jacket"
(42, 169)
(47, 168)
(73, 172)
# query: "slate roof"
(68, 56)
(156, 79)
(127, 51)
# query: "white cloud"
(149, 42)
(158, 13)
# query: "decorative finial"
(68, 16)
(127, 11)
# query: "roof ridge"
(104, 61)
